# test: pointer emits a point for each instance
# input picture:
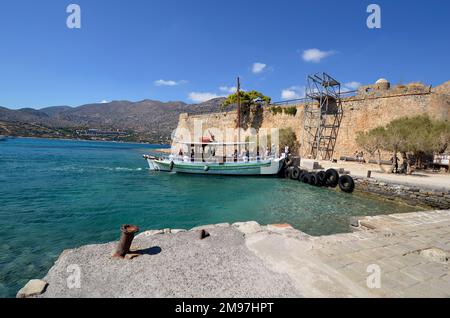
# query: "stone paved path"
(411, 251)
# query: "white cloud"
(104, 101)
(258, 68)
(198, 97)
(315, 55)
(293, 92)
(288, 94)
(352, 85)
(162, 82)
(228, 89)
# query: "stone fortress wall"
(372, 106)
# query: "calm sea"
(57, 194)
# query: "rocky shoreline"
(435, 198)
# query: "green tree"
(396, 139)
(373, 142)
(414, 136)
(419, 140)
(251, 102)
(248, 99)
(440, 136)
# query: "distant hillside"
(54, 110)
(23, 115)
(149, 120)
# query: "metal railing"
(219, 159)
(304, 100)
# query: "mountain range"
(146, 120)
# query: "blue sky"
(192, 50)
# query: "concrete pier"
(398, 255)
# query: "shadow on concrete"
(149, 251)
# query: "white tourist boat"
(202, 159)
(216, 165)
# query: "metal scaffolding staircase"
(323, 116)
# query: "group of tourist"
(244, 156)
(397, 167)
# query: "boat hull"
(265, 167)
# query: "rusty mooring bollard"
(203, 234)
(126, 238)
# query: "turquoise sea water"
(57, 194)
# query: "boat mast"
(238, 89)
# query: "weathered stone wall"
(412, 195)
(360, 113)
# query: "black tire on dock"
(331, 178)
(346, 184)
(305, 177)
(288, 173)
(300, 176)
(282, 171)
(313, 180)
(321, 178)
(295, 173)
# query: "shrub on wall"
(276, 110)
(289, 138)
(291, 111)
